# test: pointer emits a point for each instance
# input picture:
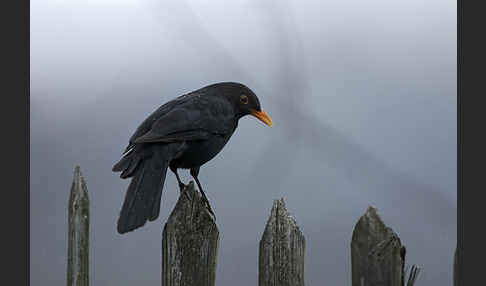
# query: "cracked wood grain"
(78, 232)
(282, 248)
(189, 242)
(377, 254)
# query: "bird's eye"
(244, 99)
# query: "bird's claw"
(182, 186)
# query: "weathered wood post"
(189, 243)
(455, 272)
(78, 232)
(282, 248)
(377, 254)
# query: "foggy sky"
(363, 100)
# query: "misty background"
(363, 99)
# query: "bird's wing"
(195, 119)
(146, 125)
(151, 137)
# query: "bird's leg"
(205, 198)
(174, 170)
(181, 185)
(194, 173)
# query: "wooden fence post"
(189, 243)
(455, 271)
(282, 247)
(377, 254)
(78, 232)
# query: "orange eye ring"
(244, 99)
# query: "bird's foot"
(182, 186)
(183, 189)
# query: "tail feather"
(142, 199)
(128, 163)
(122, 164)
(129, 170)
(157, 198)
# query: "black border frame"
(470, 182)
(470, 151)
(15, 200)
(457, 273)
(458, 259)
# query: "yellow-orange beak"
(263, 117)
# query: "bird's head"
(244, 101)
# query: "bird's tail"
(148, 169)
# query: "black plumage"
(185, 132)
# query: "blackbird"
(184, 133)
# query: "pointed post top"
(78, 188)
(372, 224)
(282, 247)
(78, 232)
(372, 214)
(280, 213)
(278, 207)
(377, 254)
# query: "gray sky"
(363, 99)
